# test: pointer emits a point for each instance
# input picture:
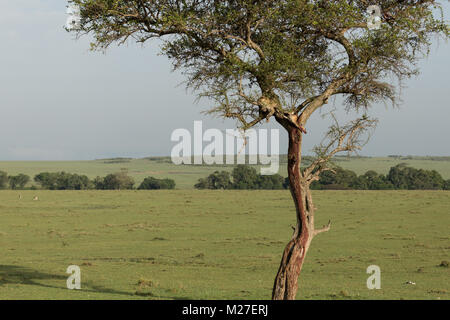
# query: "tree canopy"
(3, 180)
(151, 183)
(62, 181)
(19, 181)
(114, 181)
(257, 59)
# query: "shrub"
(114, 181)
(403, 177)
(19, 181)
(151, 183)
(242, 177)
(216, 180)
(245, 177)
(340, 179)
(3, 180)
(446, 185)
(63, 181)
(272, 182)
(286, 183)
(372, 181)
(47, 180)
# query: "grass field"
(219, 245)
(186, 176)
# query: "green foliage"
(114, 181)
(340, 179)
(47, 180)
(3, 180)
(403, 177)
(286, 183)
(237, 52)
(371, 180)
(151, 183)
(63, 181)
(399, 177)
(216, 180)
(270, 182)
(186, 176)
(19, 181)
(245, 177)
(446, 185)
(242, 177)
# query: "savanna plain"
(208, 244)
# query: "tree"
(203, 183)
(337, 179)
(286, 183)
(63, 181)
(446, 185)
(403, 177)
(47, 180)
(98, 183)
(216, 180)
(3, 180)
(257, 60)
(375, 181)
(151, 183)
(19, 181)
(72, 181)
(244, 177)
(114, 181)
(272, 182)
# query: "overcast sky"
(59, 101)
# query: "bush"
(403, 177)
(151, 183)
(114, 181)
(340, 179)
(19, 181)
(446, 185)
(242, 177)
(215, 181)
(3, 180)
(286, 183)
(272, 182)
(63, 181)
(47, 180)
(372, 181)
(245, 177)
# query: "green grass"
(186, 176)
(220, 245)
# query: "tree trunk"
(286, 281)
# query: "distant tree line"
(399, 177)
(242, 177)
(72, 181)
(151, 183)
(13, 182)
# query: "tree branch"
(346, 138)
(323, 229)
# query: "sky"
(60, 101)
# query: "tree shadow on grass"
(26, 276)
